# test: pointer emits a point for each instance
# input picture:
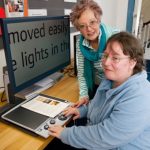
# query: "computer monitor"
(35, 47)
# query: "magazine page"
(14, 8)
(46, 106)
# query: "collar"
(106, 85)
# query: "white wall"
(114, 14)
(136, 17)
(2, 63)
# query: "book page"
(46, 106)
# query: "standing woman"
(86, 17)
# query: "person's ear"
(132, 63)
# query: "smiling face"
(117, 66)
(89, 25)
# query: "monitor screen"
(35, 47)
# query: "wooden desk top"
(12, 138)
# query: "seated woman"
(119, 114)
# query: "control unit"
(43, 128)
(38, 114)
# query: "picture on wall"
(15, 8)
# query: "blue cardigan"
(118, 119)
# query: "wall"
(2, 63)
(114, 14)
(145, 12)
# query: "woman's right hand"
(72, 111)
(82, 101)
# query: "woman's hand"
(72, 111)
(82, 101)
(56, 130)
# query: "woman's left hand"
(56, 130)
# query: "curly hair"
(131, 47)
(80, 7)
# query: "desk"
(12, 138)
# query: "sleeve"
(80, 67)
(83, 111)
(127, 121)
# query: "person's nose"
(107, 61)
(88, 27)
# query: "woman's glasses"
(91, 24)
(114, 59)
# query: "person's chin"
(108, 76)
(92, 37)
